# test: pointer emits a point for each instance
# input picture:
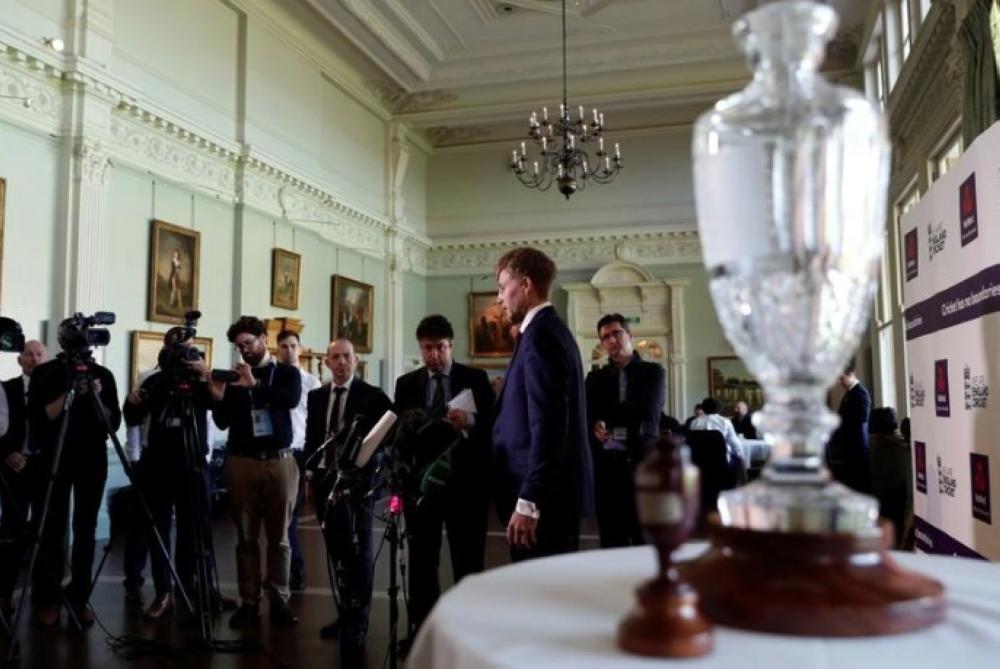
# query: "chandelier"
(563, 157)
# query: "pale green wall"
(704, 338)
(30, 165)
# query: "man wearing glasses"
(260, 470)
(624, 402)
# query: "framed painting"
(286, 268)
(489, 328)
(146, 347)
(361, 371)
(351, 312)
(729, 382)
(173, 272)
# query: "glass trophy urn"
(790, 182)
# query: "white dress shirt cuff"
(526, 508)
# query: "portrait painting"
(285, 272)
(146, 347)
(351, 312)
(490, 333)
(730, 382)
(173, 272)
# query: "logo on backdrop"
(946, 479)
(967, 210)
(976, 391)
(936, 236)
(917, 393)
(980, 487)
(911, 250)
(942, 397)
(920, 464)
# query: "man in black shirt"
(624, 403)
(83, 467)
(261, 474)
(173, 473)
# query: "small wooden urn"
(666, 621)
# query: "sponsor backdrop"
(951, 249)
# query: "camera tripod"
(79, 377)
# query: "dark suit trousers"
(617, 516)
(298, 562)
(462, 511)
(347, 530)
(16, 496)
(84, 470)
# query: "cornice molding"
(25, 76)
(569, 251)
(398, 45)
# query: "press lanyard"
(270, 380)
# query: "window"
(905, 29)
(946, 156)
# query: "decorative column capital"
(91, 162)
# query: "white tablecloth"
(564, 612)
(755, 451)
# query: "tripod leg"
(127, 468)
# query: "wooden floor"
(298, 646)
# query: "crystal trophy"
(790, 180)
(791, 177)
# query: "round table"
(564, 612)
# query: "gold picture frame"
(174, 259)
(146, 345)
(730, 382)
(286, 272)
(352, 312)
(489, 327)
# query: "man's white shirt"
(298, 414)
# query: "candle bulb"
(536, 168)
(602, 119)
(618, 151)
(545, 114)
(600, 145)
(607, 164)
(595, 115)
(523, 152)
(513, 158)
(572, 141)
(581, 112)
(562, 110)
(545, 144)
(562, 172)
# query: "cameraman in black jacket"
(172, 473)
(83, 467)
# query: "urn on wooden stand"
(666, 621)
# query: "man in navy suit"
(461, 508)
(847, 453)
(545, 479)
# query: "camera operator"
(20, 470)
(83, 465)
(463, 506)
(332, 408)
(261, 474)
(289, 347)
(163, 466)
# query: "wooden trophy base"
(833, 584)
(665, 622)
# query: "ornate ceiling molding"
(400, 101)
(584, 251)
(364, 11)
(38, 82)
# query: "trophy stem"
(797, 424)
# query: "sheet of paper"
(464, 401)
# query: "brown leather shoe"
(161, 607)
(46, 616)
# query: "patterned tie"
(436, 409)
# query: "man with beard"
(260, 470)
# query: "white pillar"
(677, 355)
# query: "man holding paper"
(447, 390)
